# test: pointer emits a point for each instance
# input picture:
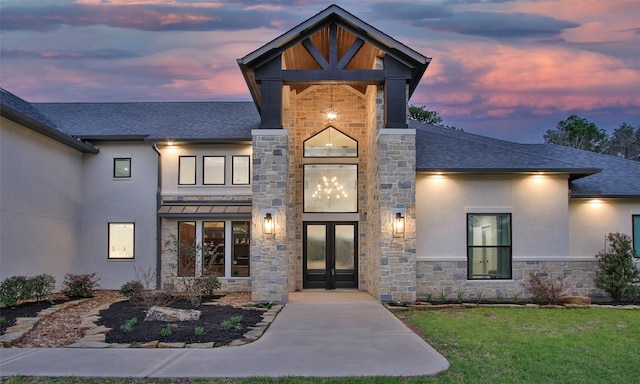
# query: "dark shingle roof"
(191, 121)
(591, 174)
(22, 112)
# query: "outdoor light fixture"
(398, 225)
(331, 114)
(267, 224)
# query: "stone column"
(397, 176)
(269, 261)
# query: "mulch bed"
(28, 309)
(181, 332)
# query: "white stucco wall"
(169, 158)
(591, 220)
(538, 204)
(40, 204)
(119, 200)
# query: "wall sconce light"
(398, 224)
(267, 224)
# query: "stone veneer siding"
(397, 177)
(269, 258)
(450, 278)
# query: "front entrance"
(330, 255)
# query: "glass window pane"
(187, 248)
(213, 170)
(330, 143)
(316, 246)
(187, 170)
(240, 256)
(213, 248)
(121, 240)
(489, 230)
(122, 167)
(345, 246)
(330, 188)
(489, 242)
(240, 170)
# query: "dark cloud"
(141, 17)
(101, 54)
(409, 11)
(499, 25)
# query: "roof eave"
(574, 173)
(48, 131)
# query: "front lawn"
(496, 345)
(501, 345)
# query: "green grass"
(495, 345)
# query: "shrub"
(42, 286)
(15, 289)
(548, 286)
(166, 331)
(233, 323)
(132, 290)
(208, 284)
(617, 272)
(81, 285)
(128, 326)
(199, 331)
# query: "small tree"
(618, 272)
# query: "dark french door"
(330, 255)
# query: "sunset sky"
(505, 69)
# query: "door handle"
(333, 272)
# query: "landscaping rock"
(579, 300)
(172, 314)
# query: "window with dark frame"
(213, 170)
(187, 170)
(213, 260)
(121, 241)
(636, 234)
(122, 167)
(240, 170)
(489, 251)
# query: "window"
(636, 234)
(213, 248)
(187, 170)
(330, 143)
(213, 168)
(489, 246)
(121, 240)
(330, 188)
(122, 167)
(186, 248)
(240, 170)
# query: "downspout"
(158, 221)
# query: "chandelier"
(329, 189)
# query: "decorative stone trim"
(94, 336)
(429, 306)
(24, 325)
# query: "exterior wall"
(304, 119)
(269, 255)
(171, 192)
(540, 229)
(450, 278)
(169, 155)
(590, 221)
(40, 204)
(106, 199)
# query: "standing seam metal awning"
(209, 210)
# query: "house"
(321, 182)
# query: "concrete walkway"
(318, 333)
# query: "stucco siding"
(40, 204)
(107, 199)
(591, 220)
